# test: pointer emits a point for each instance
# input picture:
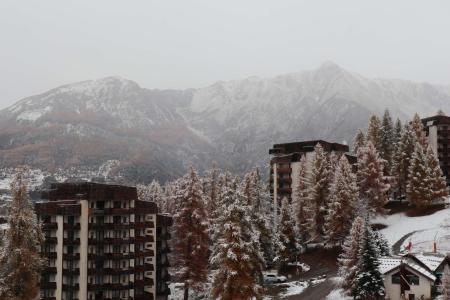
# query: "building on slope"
(285, 163)
(437, 129)
(102, 243)
(413, 276)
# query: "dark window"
(100, 204)
(396, 279)
(413, 279)
(116, 204)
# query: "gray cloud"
(180, 44)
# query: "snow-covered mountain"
(158, 133)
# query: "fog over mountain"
(158, 133)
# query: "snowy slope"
(426, 228)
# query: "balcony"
(117, 226)
(144, 267)
(108, 286)
(74, 226)
(71, 256)
(144, 239)
(144, 296)
(285, 170)
(73, 272)
(50, 240)
(49, 255)
(144, 253)
(119, 211)
(143, 282)
(142, 225)
(285, 190)
(49, 226)
(74, 241)
(50, 270)
(48, 285)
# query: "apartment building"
(285, 163)
(102, 243)
(437, 129)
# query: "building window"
(413, 279)
(396, 279)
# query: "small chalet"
(413, 276)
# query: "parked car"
(274, 278)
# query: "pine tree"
(300, 199)
(402, 157)
(191, 240)
(359, 141)
(371, 181)
(417, 127)
(387, 140)
(342, 203)
(438, 183)
(318, 190)
(237, 253)
(446, 283)
(368, 283)
(418, 189)
(374, 132)
(381, 243)
(287, 248)
(211, 191)
(262, 215)
(348, 259)
(20, 261)
(251, 191)
(398, 131)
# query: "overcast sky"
(181, 44)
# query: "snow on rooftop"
(431, 261)
(388, 264)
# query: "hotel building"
(102, 243)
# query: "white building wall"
(59, 256)
(433, 139)
(393, 290)
(84, 234)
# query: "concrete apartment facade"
(437, 129)
(285, 164)
(102, 243)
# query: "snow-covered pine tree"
(446, 283)
(301, 198)
(368, 283)
(359, 141)
(20, 260)
(286, 245)
(251, 191)
(262, 216)
(374, 132)
(348, 259)
(191, 238)
(237, 253)
(398, 131)
(211, 189)
(417, 127)
(438, 183)
(342, 203)
(371, 181)
(418, 189)
(387, 140)
(318, 190)
(402, 157)
(381, 243)
(170, 196)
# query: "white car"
(274, 278)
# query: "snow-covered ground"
(426, 229)
(338, 294)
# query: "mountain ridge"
(158, 133)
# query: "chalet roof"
(388, 264)
(431, 261)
